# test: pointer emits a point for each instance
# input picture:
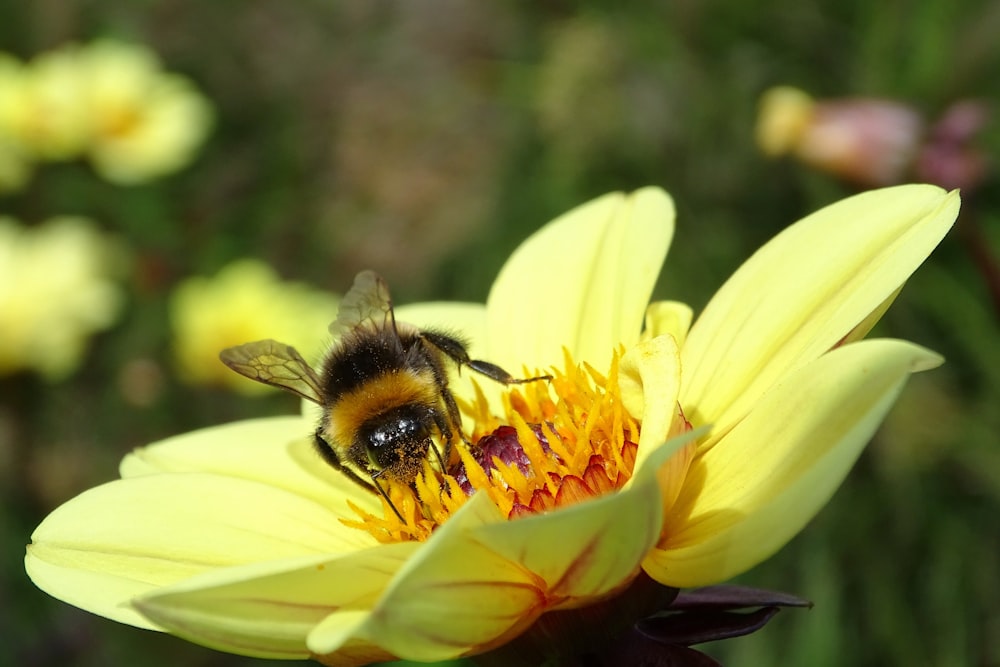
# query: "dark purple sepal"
(734, 597)
(696, 627)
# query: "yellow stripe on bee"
(399, 387)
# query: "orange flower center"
(557, 443)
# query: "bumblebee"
(383, 387)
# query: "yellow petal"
(804, 291)
(268, 609)
(480, 579)
(668, 318)
(454, 594)
(764, 480)
(96, 587)
(355, 652)
(866, 325)
(277, 451)
(131, 536)
(581, 282)
(585, 551)
(649, 382)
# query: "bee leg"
(330, 456)
(454, 421)
(386, 496)
(494, 372)
(455, 349)
(447, 435)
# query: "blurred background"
(180, 176)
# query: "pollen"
(553, 444)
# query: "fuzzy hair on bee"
(383, 387)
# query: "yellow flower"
(245, 301)
(15, 168)
(144, 123)
(15, 165)
(237, 537)
(109, 100)
(57, 287)
(41, 108)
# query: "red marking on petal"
(573, 490)
(629, 450)
(580, 565)
(541, 500)
(519, 510)
(596, 478)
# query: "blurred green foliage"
(426, 139)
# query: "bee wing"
(367, 301)
(276, 364)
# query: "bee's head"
(397, 440)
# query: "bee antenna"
(437, 452)
(392, 316)
(386, 496)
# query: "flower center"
(556, 443)
(120, 121)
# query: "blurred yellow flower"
(108, 100)
(57, 287)
(15, 165)
(15, 169)
(245, 301)
(41, 105)
(784, 115)
(143, 123)
(239, 538)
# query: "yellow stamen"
(554, 443)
